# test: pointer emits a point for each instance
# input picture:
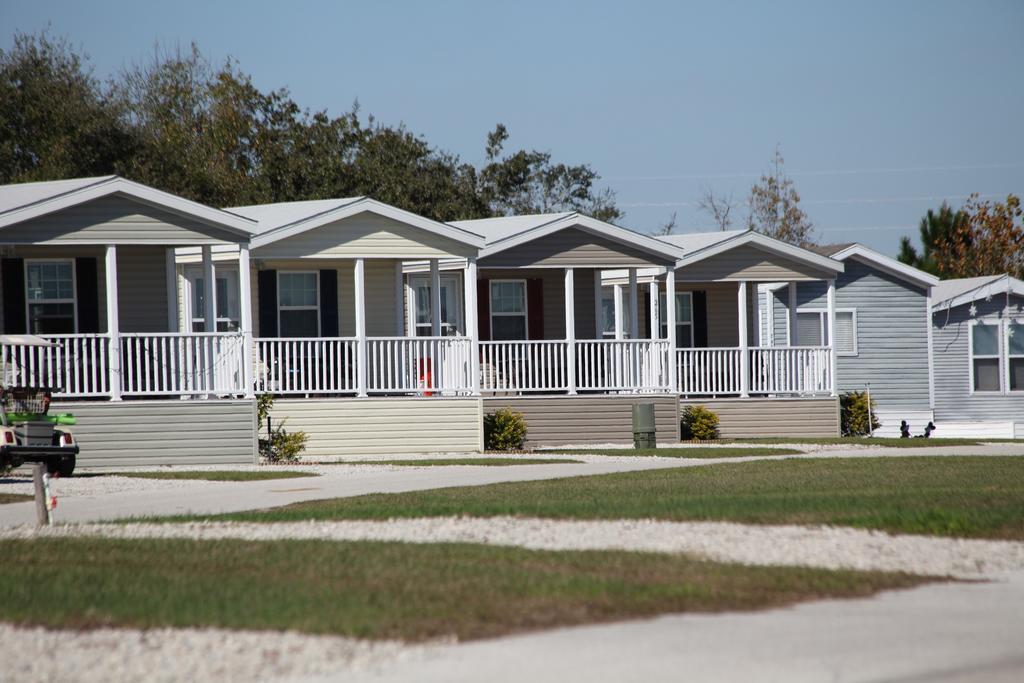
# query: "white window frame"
(999, 355)
(663, 317)
(823, 323)
(526, 306)
(280, 307)
(448, 280)
(1007, 355)
(193, 316)
(74, 291)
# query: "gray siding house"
(978, 339)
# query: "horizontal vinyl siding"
(553, 291)
(774, 417)
(748, 262)
(365, 234)
(892, 335)
(954, 401)
(142, 289)
(552, 421)
(573, 247)
(115, 220)
(383, 426)
(171, 432)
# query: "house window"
(508, 310)
(684, 319)
(608, 312)
(451, 305)
(812, 329)
(298, 304)
(50, 296)
(985, 356)
(227, 299)
(1015, 354)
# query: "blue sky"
(882, 109)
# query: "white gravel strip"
(170, 655)
(810, 546)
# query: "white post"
(634, 308)
(435, 298)
(570, 330)
(360, 300)
(472, 323)
(209, 318)
(831, 336)
(931, 357)
(653, 315)
(245, 318)
(113, 324)
(769, 323)
(171, 273)
(793, 340)
(670, 326)
(598, 306)
(741, 301)
(619, 332)
(399, 301)
(759, 333)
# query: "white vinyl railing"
(423, 365)
(77, 366)
(791, 370)
(523, 366)
(170, 363)
(709, 371)
(325, 365)
(622, 365)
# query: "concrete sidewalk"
(942, 632)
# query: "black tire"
(63, 465)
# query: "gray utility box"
(643, 426)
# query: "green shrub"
(280, 444)
(504, 430)
(853, 414)
(699, 423)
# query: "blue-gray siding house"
(978, 340)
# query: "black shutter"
(483, 309)
(267, 286)
(328, 303)
(700, 319)
(87, 290)
(647, 316)
(14, 295)
(534, 308)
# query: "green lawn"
(13, 498)
(214, 475)
(863, 441)
(442, 462)
(695, 452)
(382, 590)
(958, 496)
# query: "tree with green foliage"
(775, 209)
(934, 229)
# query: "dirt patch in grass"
(13, 498)
(384, 590)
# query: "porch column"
(793, 340)
(245, 318)
(171, 272)
(741, 300)
(634, 309)
(652, 309)
(831, 336)
(570, 331)
(209, 316)
(113, 324)
(435, 298)
(619, 331)
(472, 324)
(769, 327)
(360, 300)
(670, 325)
(399, 301)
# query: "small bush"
(853, 414)
(504, 430)
(699, 423)
(280, 444)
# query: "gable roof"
(279, 221)
(706, 247)
(695, 241)
(950, 293)
(505, 232)
(25, 201)
(855, 250)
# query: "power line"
(828, 172)
(858, 200)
